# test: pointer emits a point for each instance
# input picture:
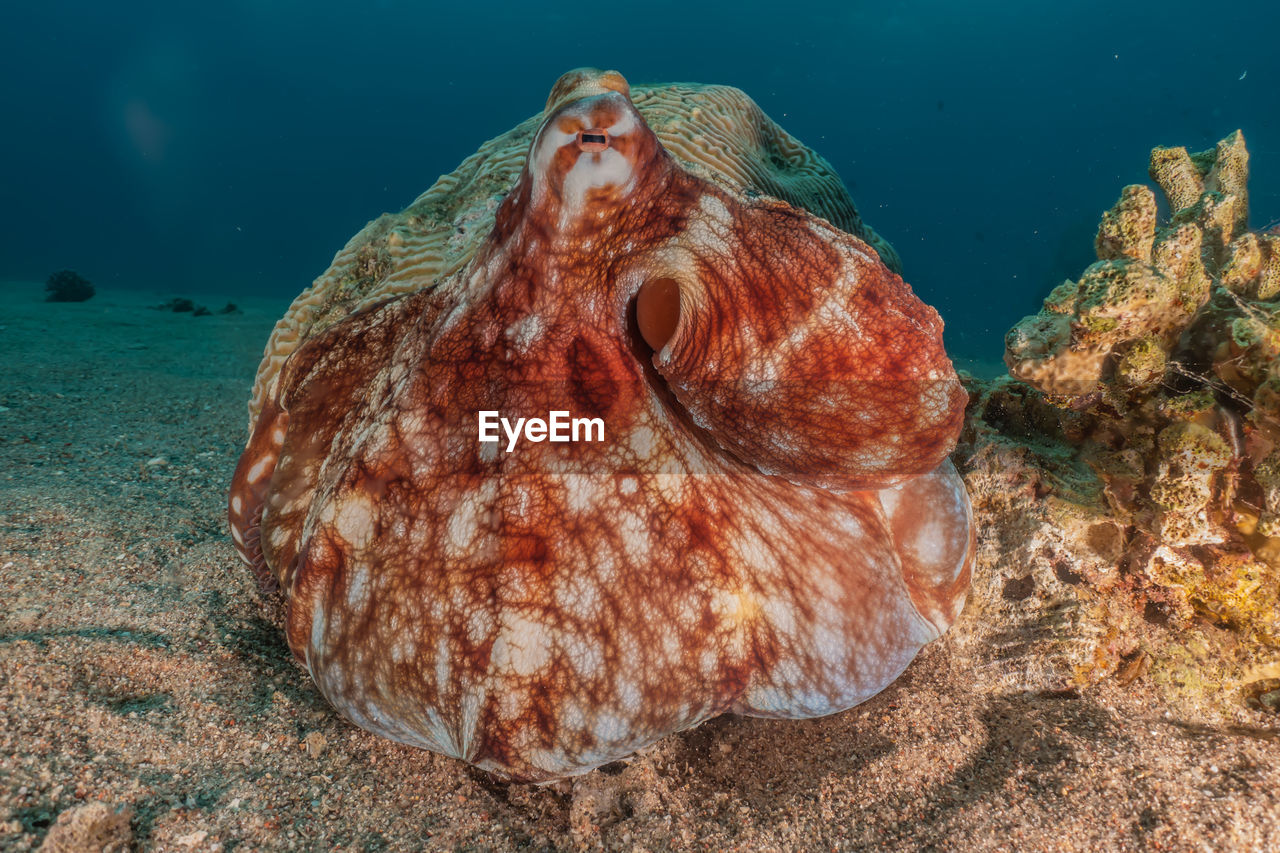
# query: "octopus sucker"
(765, 520)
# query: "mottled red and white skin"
(771, 526)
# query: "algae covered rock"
(1144, 401)
(94, 826)
(67, 286)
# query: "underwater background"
(232, 148)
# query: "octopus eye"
(658, 311)
(593, 140)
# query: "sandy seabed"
(140, 669)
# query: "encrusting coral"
(1143, 414)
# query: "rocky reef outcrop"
(1135, 449)
(67, 286)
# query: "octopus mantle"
(769, 527)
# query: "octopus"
(757, 516)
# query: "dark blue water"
(233, 147)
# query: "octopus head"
(593, 151)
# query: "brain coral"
(759, 515)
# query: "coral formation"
(1145, 401)
(768, 522)
(67, 286)
(183, 305)
(178, 305)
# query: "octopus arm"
(884, 573)
(803, 354)
(931, 522)
(275, 481)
